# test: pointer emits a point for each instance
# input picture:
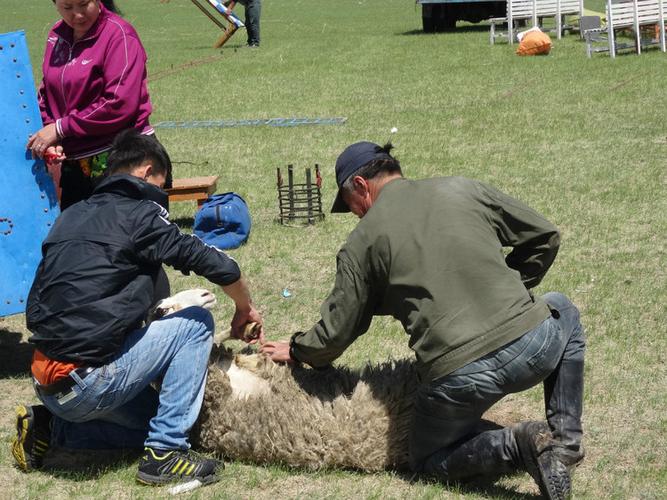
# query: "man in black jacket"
(94, 360)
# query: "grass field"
(583, 141)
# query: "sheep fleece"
(333, 418)
(315, 419)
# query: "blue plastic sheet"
(271, 122)
(28, 203)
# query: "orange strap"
(47, 371)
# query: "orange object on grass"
(534, 42)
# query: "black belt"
(64, 384)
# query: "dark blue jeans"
(448, 410)
(253, 10)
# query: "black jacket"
(95, 282)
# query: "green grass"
(583, 141)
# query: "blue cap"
(352, 159)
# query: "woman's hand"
(43, 139)
(54, 156)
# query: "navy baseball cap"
(352, 159)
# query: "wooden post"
(279, 182)
(225, 10)
(318, 181)
(209, 15)
(309, 196)
(229, 31)
(290, 192)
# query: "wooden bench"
(193, 188)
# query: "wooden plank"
(193, 188)
(193, 182)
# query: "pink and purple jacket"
(95, 87)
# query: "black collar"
(133, 187)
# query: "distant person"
(94, 361)
(93, 87)
(454, 260)
(253, 10)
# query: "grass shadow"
(469, 28)
(485, 488)
(474, 28)
(184, 222)
(83, 465)
(416, 32)
(15, 355)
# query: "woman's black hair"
(109, 6)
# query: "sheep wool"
(313, 419)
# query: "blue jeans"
(448, 410)
(114, 406)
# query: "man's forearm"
(239, 293)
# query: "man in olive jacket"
(430, 254)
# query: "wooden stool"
(193, 188)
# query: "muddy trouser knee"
(445, 438)
(564, 387)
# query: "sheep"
(308, 418)
(257, 411)
(265, 413)
(193, 297)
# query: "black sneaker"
(33, 434)
(165, 466)
(551, 475)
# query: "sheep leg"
(250, 332)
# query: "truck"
(441, 15)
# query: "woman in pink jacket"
(94, 86)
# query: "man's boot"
(563, 400)
(539, 459)
(484, 458)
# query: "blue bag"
(223, 221)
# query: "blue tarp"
(252, 122)
(28, 203)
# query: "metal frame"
(628, 14)
(300, 203)
(535, 11)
